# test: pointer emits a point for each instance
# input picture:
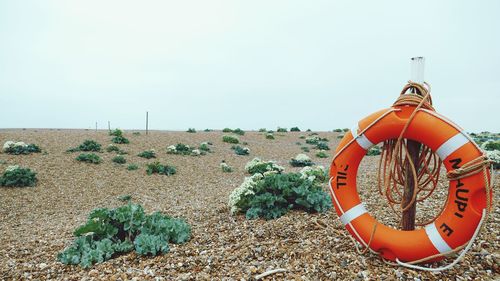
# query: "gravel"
(37, 223)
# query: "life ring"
(466, 201)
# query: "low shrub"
(15, 176)
(179, 148)
(89, 158)
(120, 140)
(110, 232)
(227, 130)
(373, 151)
(491, 145)
(281, 130)
(262, 130)
(301, 160)
(136, 133)
(240, 150)
(205, 146)
(305, 148)
(112, 148)
(269, 136)
(294, 129)
(119, 159)
(272, 195)
(340, 136)
(87, 145)
(302, 137)
(322, 146)
(239, 131)
(345, 130)
(230, 139)
(208, 130)
(158, 168)
(191, 130)
(316, 174)
(258, 166)
(321, 154)
(132, 167)
(125, 198)
(148, 154)
(338, 130)
(225, 167)
(116, 133)
(18, 148)
(308, 130)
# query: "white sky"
(248, 64)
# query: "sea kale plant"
(89, 158)
(301, 160)
(294, 129)
(112, 148)
(15, 176)
(230, 139)
(191, 130)
(87, 145)
(148, 154)
(321, 154)
(258, 166)
(272, 195)
(239, 131)
(373, 151)
(110, 232)
(184, 149)
(240, 150)
(158, 168)
(225, 167)
(281, 130)
(20, 147)
(205, 146)
(270, 136)
(119, 159)
(118, 137)
(322, 146)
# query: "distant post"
(96, 126)
(109, 126)
(147, 122)
(408, 217)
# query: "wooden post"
(408, 217)
(96, 126)
(109, 126)
(147, 119)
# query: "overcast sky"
(248, 64)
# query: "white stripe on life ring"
(436, 239)
(362, 140)
(451, 145)
(353, 213)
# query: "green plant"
(338, 130)
(109, 232)
(87, 145)
(112, 148)
(119, 159)
(321, 154)
(204, 146)
(208, 130)
(345, 130)
(281, 130)
(301, 160)
(308, 130)
(116, 133)
(322, 146)
(302, 137)
(120, 139)
(230, 139)
(125, 198)
(132, 167)
(18, 148)
(227, 130)
(15, 176)
(491, 145)
(89, 158)
(340, 136)
(239, 131)
(240, 150)
(262, 130)
(305, 148)
(294, 129)
(225, 167)
(136, 133)
(273, 195)
(191, 130)
(269, 136)
(373, 151)
(258, 166)
(148, 154)
(158, 168)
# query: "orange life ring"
(466, 199)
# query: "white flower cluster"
(10, 144)
(12, 168)
(302, 158)
(313, 173)
(312, 140)
(494, 156)
(171, 149)
(271, 167)
(246, 188)
(196, 152)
